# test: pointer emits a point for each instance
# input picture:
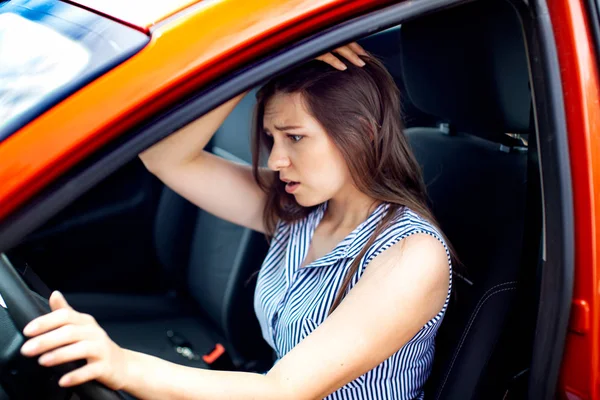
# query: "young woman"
(358, 276)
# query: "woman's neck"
(348, 211)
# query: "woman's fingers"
(58, 301)
(88, 372)
(350, 52)
(59, 337)
(54, 320)
(65, 335)
(82, 350)
(350, 55)
(62, 315)
(357, 48)
(333, 61)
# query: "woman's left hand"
(65, 335)
(350, 52)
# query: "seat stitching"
(484, 298)
(482, 302)
(474, 316)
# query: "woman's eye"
(295, 138)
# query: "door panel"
(104, 240)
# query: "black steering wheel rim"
(23, 307)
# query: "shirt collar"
(352, 244)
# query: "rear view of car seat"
(210, 263)
(386, 46)
(468, 67)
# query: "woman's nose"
(278, 159)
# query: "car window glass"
(34, 61)
(50, 49)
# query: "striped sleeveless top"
(290, 302)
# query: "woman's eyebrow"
(287, 127)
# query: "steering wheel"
(23, 306)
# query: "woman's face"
(302, 152)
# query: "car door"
(577, 34)
(103, 242)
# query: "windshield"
(48, 50)
(34, 61)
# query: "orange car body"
(193, 43)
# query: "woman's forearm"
(188, 142)
(150, 378)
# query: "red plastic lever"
(217, 352)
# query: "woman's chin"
(308, 201)
(302, 202)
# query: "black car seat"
(211, 264)
(387, 47)
(468, 67)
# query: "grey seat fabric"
(467, 66)
(210, 263)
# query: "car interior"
(166, 278)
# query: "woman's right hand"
(65, 335)
(350, 52)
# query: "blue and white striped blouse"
(291, 302)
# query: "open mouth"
(291, 187)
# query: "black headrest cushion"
(468, 66)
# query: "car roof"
(142, 14)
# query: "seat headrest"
(468, 66)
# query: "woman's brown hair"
(359, 109)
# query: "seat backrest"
(467, 66)
(386, 46)
(477, 194)
(221, 260)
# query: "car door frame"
(576, 28)
(550, 114)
